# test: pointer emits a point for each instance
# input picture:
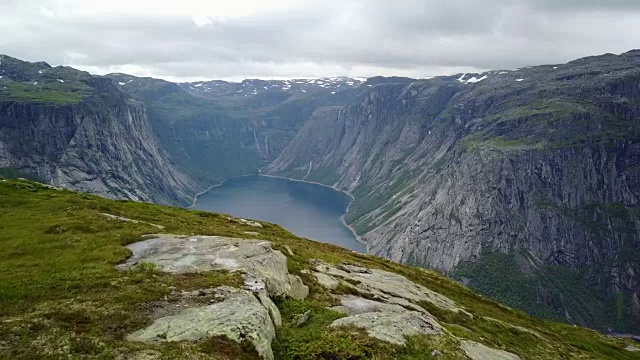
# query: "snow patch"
(62, 81)
(461, 78)
(122, 83)
(519, 80)
(474, 80)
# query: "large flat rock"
(263, 267)
(392, 326)
(477, 351)
(238, 316)
(386, 286)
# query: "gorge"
(527, 177)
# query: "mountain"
(91, 279)
(522, 184)
(217, 129)
(79, 131)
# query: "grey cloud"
(410, 37)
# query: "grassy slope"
(60, 296)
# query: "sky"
(189, 40)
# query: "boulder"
(238, 316)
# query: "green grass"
(62, 298)
(51, 93)
(549, 292)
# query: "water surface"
(308, 210)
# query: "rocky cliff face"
(80, 132)
(217, 129)
(540, 162)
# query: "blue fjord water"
(308, 210)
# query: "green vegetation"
(482, 141)
(61, 296)
(50, 93)
(12, 173)
(324, 175)
(550, 292)
(369, 198)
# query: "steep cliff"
(218, 129)
(80, 132)
(538, 163)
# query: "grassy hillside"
(61, 297)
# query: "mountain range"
(522, 184)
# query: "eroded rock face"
(477, 351)
(263, 267)
(238, 316)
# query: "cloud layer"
(190, 40)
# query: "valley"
(526, 176)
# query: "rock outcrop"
(262, 267)
(237, 315)
(381, 285)
(392, 326)
(390, 311)
(477, 351)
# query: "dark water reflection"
(308, 210)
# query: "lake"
(308, 210)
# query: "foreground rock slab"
(263, 267)
(477, 351)
(382, 285)
(238, 315)
(392, 326)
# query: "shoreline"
(195, 197)
(342, 218)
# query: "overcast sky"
(188, 40)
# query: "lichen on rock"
(262, 266)
(392, 326)
(238, 316)
(477, 351)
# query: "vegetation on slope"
(61, 296)
(49, 93)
